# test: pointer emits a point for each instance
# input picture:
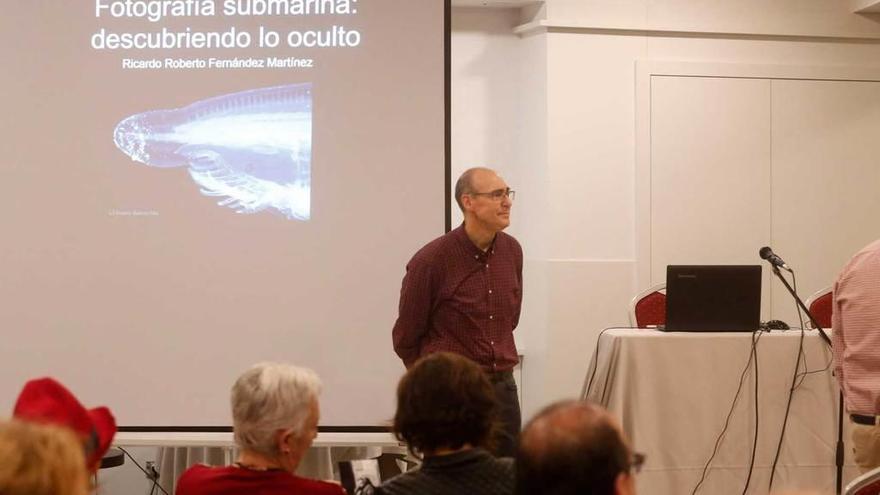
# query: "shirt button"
(490, 291)
(487, 265)
(492, 342)
(491, 317)
(476, 256)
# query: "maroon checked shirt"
(460, 299)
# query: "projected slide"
(252, 148)
(190, 187)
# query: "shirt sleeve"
(519, 281)
(416, 302)
(837, 343)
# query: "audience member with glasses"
(462, 293)
(575, 447)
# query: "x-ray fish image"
(252, 149)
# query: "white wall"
(554, 109)
(570, 137)
(127, 479)
(498, 120)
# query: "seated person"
(41, 460)
(275, 418)
(575, 447)
(447, 413)
(48, 402)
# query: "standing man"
(855, 323)
(462, 293)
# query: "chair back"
(648, 308)
(866, 484)
(820, 306)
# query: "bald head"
(573, 447)
(466, 182)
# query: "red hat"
(44, 400)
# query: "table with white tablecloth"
(673, 392)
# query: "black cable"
(787, 411)
(821, 370)
(755, 441)
(148, 475)
(801, 319)
(155, 478)
(802, 375)
(155, 484)
(791, 390)
(742, 377)
(806, 372)
(595, 360)
(796, 305)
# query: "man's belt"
(500, 376)
(861, 419)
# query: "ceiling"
(859, 6)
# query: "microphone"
(767, 254)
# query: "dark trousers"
(509, 413)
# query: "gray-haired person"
(275, 418)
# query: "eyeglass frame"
(496, 195)
(637, 460)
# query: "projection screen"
(193, 186)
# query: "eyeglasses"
(497, 195)
(638, 459)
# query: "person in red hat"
(44, 400)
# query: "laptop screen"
(713, 298)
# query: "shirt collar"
(469, 247)
(463, 457)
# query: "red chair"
(648, 308)
(866, 484)
(820, 305)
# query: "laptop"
(713, 298)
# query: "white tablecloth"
(672, 393)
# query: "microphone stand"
(803, 307)
(839, 453)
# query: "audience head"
(445, 401)
(574, 447)
(41, 460)
(46, 401)
(275, 412)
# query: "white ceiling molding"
(499, 4)
(545, 26)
